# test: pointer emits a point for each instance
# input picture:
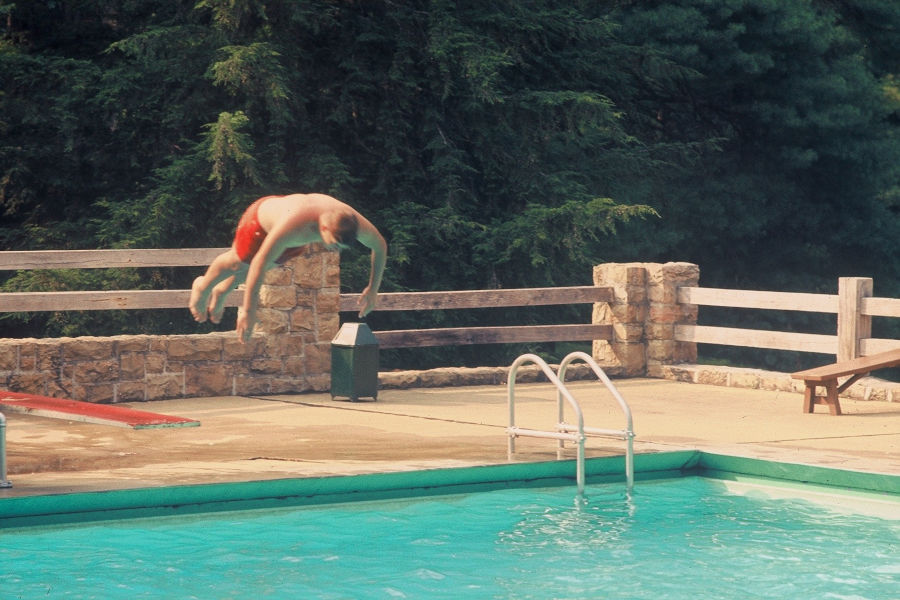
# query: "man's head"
(338, 229)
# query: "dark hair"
(346, 228)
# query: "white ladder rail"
(513, 432)
(626, 434)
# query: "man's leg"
(216, 305)
(225, 266)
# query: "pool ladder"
(565, 431)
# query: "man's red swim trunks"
(250, 235)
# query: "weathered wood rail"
(406, 338)
(854, 306)
(103, 259)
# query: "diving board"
(88, 412)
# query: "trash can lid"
(355, 334)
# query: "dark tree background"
(502, 143)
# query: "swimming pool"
(727, 536)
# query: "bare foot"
(216, 311)
(197, 300)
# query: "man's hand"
(367, 301)
(244, 327)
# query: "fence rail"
(487, 298)
(854, 306)
(103, 259)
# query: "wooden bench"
(827, 377)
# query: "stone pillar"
(643, 315)
(665, 312)
(302, 296)
(625, 354)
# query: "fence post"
(852, 325)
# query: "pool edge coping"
(78, 507)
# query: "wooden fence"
(193, 257)
(448, 336)
(103, 259)
(854, 306)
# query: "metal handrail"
(626, 434)
(513, 432)
(565, 431)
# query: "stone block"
(660, 350)
(87, 348)
(28, 355)
(48, 358)
(278, 276)
(294, 366)
(659, 331)
(234, 350)
(271, 322)
(327, 327)
(745, 378)
(308, 271)
(630, 313)
(628, 332)
(130, 391)
(664, 313)
(154, 362)
(160, 386)
(208, 380)
(306, 298)
(100, 393)
(93, 371)
(131, 365)
(318, 358)
(711, 377)
(278, 296)
(303, 319)
(328, 300)
(610, 274)
(630, 358)
(685, 352)
(9, 357)
(29, 383)
(318, 383)
(245, 385)
(286, 385)
(332, 270)
(132, 343)
(271, 366)
(189, 348)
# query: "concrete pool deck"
(310, 435)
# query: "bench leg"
(810, 398)
(831, 397)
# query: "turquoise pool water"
(692, 537)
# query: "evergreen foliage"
(496, 144)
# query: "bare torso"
(299, 214)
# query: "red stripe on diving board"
(88, 412)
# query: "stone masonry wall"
(290, 350)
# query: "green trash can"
(354, 362)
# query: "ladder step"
(553, 435)
(615, 433)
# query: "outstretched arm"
(369, 236)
